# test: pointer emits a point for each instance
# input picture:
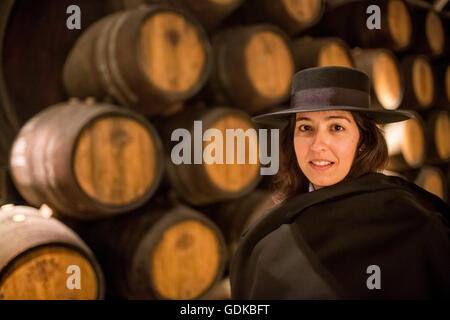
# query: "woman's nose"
(320, 142)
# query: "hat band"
(331, 96)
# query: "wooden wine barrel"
(38, 256)
(236, 216)
(320, 52)
(406, 144)
(419, 82)
(347, 19)
(293, 16)
(146, 58)
(437, 129)
(382, 67)
(161, 251)
(447, 177)
(210, 13)
(396, 32)
(253, 67)
(430, 38)
(433, 180)
(204, 175)
(87, 160)
(442, 72)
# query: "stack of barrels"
(122, 143)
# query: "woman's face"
(325, 144)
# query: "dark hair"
(373, 157)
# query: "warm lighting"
(18, 218)
(45, 211)
(7, 207)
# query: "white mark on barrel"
(7, 207)
(18, 218)
(45, 211)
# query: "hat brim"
(280, 118)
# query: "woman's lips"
(321, 167)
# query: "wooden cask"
(209, 13)
(430, 37)
(87, 160)
(433, 180)
(406, 144)
(382, 67)
(419, 82)
(446, 169)
(347, 19)
(321, 52)
(253, 67)
(437, 131)
(442, 73)
(146, 58)
(207, 170)
(396, 30)
(38, 256)
(161, 251)
(293, 16)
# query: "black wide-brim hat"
(332, 88)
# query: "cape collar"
(291, 208)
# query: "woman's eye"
(303, 127)
(338, 127)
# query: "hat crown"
(331, 88)
(330, 77)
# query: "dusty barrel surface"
(253, 67)
(162, 252)
(293, 16)
(419, 82)
(433, 180)
(87, 160)
(406, 144)
(210, 12)
(38, 256)
(382, 67)
(430, 38)
(437, 137)
(350, 20)
(145, 58)
(217, 166)
(396, 32)
(321, 52)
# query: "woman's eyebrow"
(328, 118)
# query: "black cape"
(319, 245)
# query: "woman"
(357, 234)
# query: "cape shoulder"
(388, 190)
(391, 202)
